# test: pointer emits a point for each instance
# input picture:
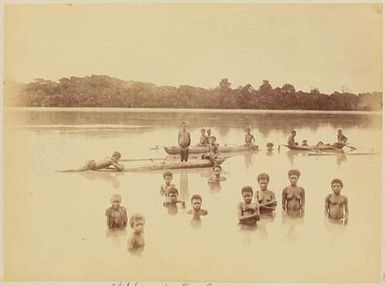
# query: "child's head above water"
(337, 186)
(116, 199)
(116, 155)
(137, 222)
(167, 176)
(247, 194)
(263, 180)
(217, 169)
(172, 194)
(196, 202)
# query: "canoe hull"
(314, 148)
(175, 150)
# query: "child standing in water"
(173, 201)
(116, 215)
(216, 177)
(249, 138)
(248, 211)
(336, 205)
(167, 177)
(293, 196)
(197, 211)
(184, 142)
(265, 198)
(136, 242)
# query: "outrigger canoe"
(175, 150)
(315, 148)
(171, 164)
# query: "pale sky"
(325, 46)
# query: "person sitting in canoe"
(264, 197)
(203, 140)
(341, 139)
(209, 135)
(184, 141)
(291, 141)
(116, 214)
(249, 138)
(336, 205)
(111, 163)
(173, 201)
(167, 178)
(216, 177)
(213, 150)
(293, 196)
(248, 211)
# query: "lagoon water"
(55, 227)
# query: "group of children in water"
(254, 206)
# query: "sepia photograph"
(192, 143)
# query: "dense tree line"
(104, 91)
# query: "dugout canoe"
(170, 165)
(175, 150)
(314, 148)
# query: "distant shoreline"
(189, 110)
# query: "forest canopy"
(105, 91)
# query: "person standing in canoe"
(249, 138)
(291, 141)
(184, 141)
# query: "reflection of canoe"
(171, 164)
(315, 148)
(174, 150)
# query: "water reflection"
(117, 236)
(184, 186)
(292, 222)
(110, 177)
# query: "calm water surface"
(55, 224)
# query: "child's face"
(336, 187)
(173, 196)
(196, 204)
(138, 226)
(247, 197)
(167, 180)
(203, 131)
(293, 180)
(293, 133)
(209, 132)
(115, 158)
(217, 172)
(263, 183)
(115, 203)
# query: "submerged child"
(116, 214)
(249, 138)
(336, 205)
(293, 196)
(167, 177)
(136, 242)
(107, 163)
(184, 142)
(248, 211)
(266, 198)
(197, 211)
(216, 177)
(270, 147)
(304, 143)
(172, 202)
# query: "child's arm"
(302, 198)
(284, 195)
(117, 165)
(131, 243)
(327, 206)
(346, 209)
